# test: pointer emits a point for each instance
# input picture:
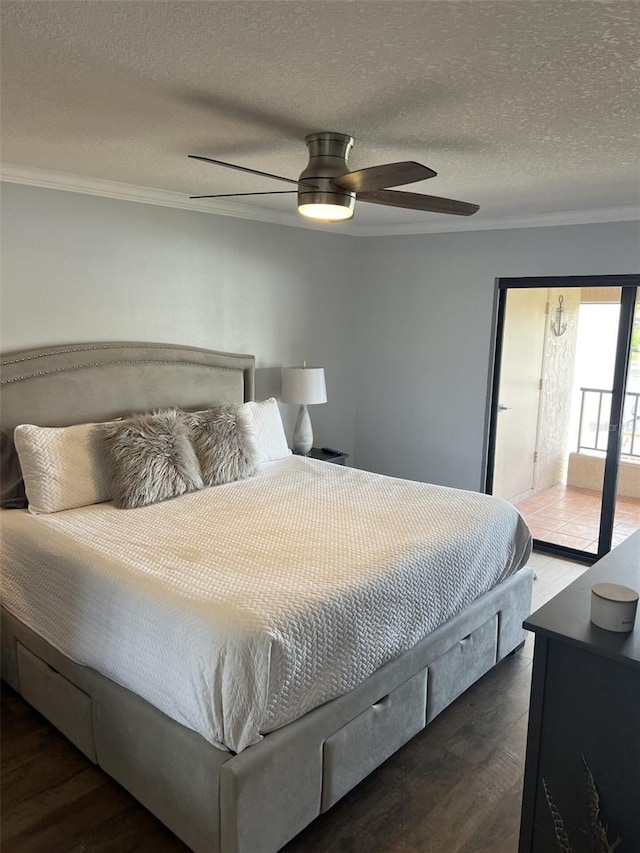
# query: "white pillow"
(62, 467)
(268, 431)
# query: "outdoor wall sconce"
(558, 326)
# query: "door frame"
(630, 285)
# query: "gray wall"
(402, 325)
(82, 268)
(425, 318)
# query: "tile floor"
(567, 515)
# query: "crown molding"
(67, 182)
(623, 213)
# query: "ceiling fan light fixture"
(318, 196)
(327, 212)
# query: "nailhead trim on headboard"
(99, 347)
(105, 364)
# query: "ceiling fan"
(327, 189)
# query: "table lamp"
(305, 386)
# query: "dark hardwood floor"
(455, 788)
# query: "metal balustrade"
(593, 433)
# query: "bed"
(329, 684)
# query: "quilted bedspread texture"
(236, 609)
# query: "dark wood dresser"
(585, 707)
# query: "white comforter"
(236, 609)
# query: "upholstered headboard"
(81, 383)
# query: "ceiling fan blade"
(233, 195)
(417, 201)
(387, 175)
(245, 169)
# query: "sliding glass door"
(564, 439)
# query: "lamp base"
(302, 432)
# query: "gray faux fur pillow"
(224, 444)
(150, 458)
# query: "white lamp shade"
(303, 385)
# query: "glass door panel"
(519, 396)
(557, 366)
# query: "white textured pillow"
(271, 442)
(62, 467)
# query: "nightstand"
(328, 455)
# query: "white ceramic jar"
(613, 606)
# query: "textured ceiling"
(522, 106)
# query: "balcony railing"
(595, 407)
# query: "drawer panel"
(463, 664)
(57, 699)
(359, 747)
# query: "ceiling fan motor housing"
(328, 155)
